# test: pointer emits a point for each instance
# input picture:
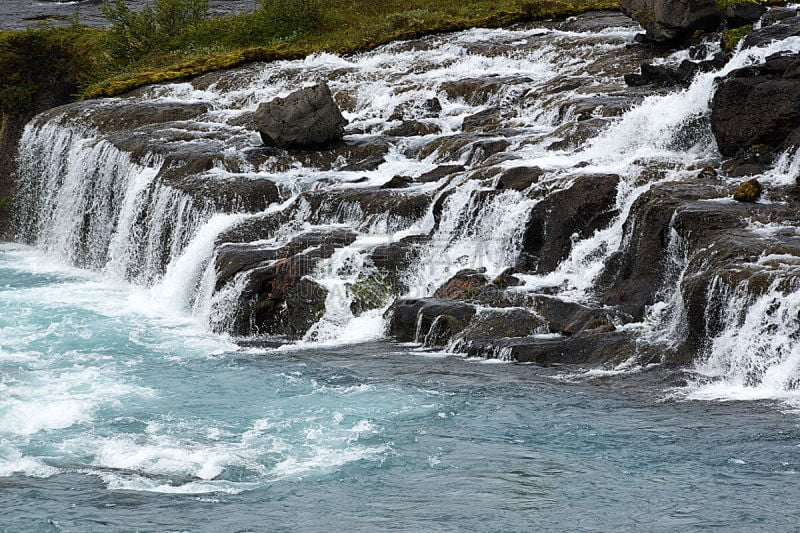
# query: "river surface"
(117, 416)
(19, 14)
(120, 411)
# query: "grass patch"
(174, 39)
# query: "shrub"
(134, 34)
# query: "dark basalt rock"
(228, 194)
(486, 120)
(758, 105)
(583, 208)
(398, 182)
(308, 118)
(776, 15)
(672, 21)
(492, 324)
(777, 31)
(414, 128)
(665, 76)
(519, 178)
(278, 298)
(743, 13)
(405, 315)
(440, 172)
(234, 258)
(594, 348)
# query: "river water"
(120, 410)
(19, 14)
(115, 417)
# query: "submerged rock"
(308, 118)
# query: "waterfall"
(411, 198)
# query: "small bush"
(134, 34)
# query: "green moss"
(6, 207)
(371, 292)
(731, 37)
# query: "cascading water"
(104, 201)
(500, 194)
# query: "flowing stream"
(127, 401)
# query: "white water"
(142, 230)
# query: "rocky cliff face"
(492, 195)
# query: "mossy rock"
(731, 37)
(749, 191)
(370, 292)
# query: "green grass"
(136, 52)
(100, 65)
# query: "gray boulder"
(670, 21)
(308, 118)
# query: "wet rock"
(492, 324)
(777, 31)
(393, 259)
(469, 146)
(398, 182)
(233, 258)
(228, 194)
(519, 178)
(370, 291)
(576, 212)
(671, 21)
(757, 105)
(414, 128)
(363, 155)
(506, 279)
(429, 108)
(589, 348)
(486, 120)
(776, 15)
(133, 114)
(308, 118)
(755, 160)
(570, 318)
(662, 75)
(463, 285)
(410, 319)
(749, 191)
(276, 301)
(596, 21)
(598, 105)
(440, 172)
(743, 13)
(707, 172)
(479, 91)
(575, 134)
(277, 296)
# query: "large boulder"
(307, 118)
(758, 105)
(671, 21)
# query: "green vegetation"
(174, 39)
(731, 37)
